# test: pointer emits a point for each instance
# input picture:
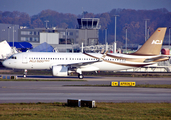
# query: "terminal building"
(87, 33)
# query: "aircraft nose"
(5, 63)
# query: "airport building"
(87, 33)
(9, 32)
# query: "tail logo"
(157, 42)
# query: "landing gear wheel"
(25, 73)
(80, 76)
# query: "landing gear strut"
(80, 76)
(25, 73)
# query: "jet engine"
(60, 71)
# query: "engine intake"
(60, 70)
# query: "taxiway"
(60, 91)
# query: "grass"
(154, 86)
(105, 111)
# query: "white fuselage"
(45, 60)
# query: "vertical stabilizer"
(153, 45)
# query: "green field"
(119, 111)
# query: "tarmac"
(59, 89)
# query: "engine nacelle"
(60, 70)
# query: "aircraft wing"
(88, 62)
(80, 63)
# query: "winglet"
(103, 57)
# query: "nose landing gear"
(25, 73)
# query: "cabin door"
(25, 59)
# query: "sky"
(33, 7)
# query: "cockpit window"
(12, 57)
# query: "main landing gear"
(80, 76)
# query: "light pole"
(46, 21)
(114, 47)
(146, 29)
(126, 40)
(105, 35)
(169, 37)
(46, 39)
(66, 39)
(8, 34)
(106, 38)
(13, 37)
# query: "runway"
(57, 91)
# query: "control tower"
(88, 31)
(88, 23)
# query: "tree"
(37, 23)
(132, 19)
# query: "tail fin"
(153, 45)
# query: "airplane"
(62, 64)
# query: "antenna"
(83, 12)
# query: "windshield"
(12, 57)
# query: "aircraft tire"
(80, 76)
(24, 75)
